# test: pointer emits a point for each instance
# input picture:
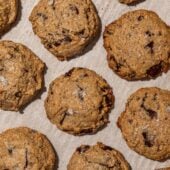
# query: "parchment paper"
(34, 115)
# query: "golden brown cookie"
(21, 75)
(8, 13)
(138, 45)
(79, 101)
(97, 157)
(145, 123)
(23, 148)
(65, 27)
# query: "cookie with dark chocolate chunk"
(145, 123)
(8, 14)
(65, 27)
(97, 157)
(138, 45)
(21, 75)
(23, 148)
(79, 101)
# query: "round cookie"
(21, 75)
(8, 13)
(65, 27)
(97, 157)
(145, 123)
(128, 1)
(24, 148)
(138, 45)
(79, 101)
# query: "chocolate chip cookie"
(8, 13)
(23, 148)
(65, 27)
(21, 75)
(138, 45)
(97, 157)
(145, 123)
(79, 101)
(128, 1)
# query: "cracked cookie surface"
(138, 45)
(145, 123)
(65, 27)
(8, 13)
(25, 149)
(79, 101)
(97, 157)
(21, 75)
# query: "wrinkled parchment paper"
(34, 115)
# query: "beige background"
(34, 114)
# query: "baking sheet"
(34, 115)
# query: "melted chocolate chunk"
(147, 139)
(150, 46)
(155, 70)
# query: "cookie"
(8, 13)
(79, 101)
(23, 148)
(21, 75)
(65, 27)
(138, 45)
(145, 123)
(97, 157)
(128, 1)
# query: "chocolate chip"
(74, 9)
(1, 68)
(42, 16)
(107, 148)
(154, 70)
(109, 32)
(67, 39)
(10, 151)
(159, 33)
(18, 94)
(108, 100)
(26, 159)
(81, 33)
(140, 18)
(69, 73)
(147, 139)
(150, 45)
(168, 54)
(151, 113)
(130, 121)
(148, 33)
(86, 131)
(49, 45)
(81, 93)
(57, 43)
(83, 149)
